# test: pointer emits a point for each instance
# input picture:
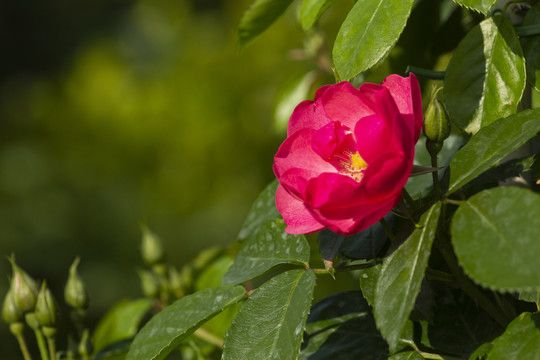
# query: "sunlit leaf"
(262, 209)
(491, 144)
(495, 240)
(266, 248)
(479, 5)
(369, 32)
(401, 277)
(166, 330)
(260, 15)
(270, 324)
(519, 341)
(312, 10)
(121, 322)
(485, 78)
(296, 92)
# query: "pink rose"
(348, 155)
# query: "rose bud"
(10, 313)
(348, 155)
(45, 307)
(151, 249)
(75, 291)
(24, 289)
(437, 126)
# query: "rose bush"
(348, 155)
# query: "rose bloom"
(348, 155)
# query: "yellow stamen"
(353, 165)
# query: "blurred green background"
(114, 112)
(117, 112)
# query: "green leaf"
(270, 324)
(166, 330)
(485, 78)
(260, 15)
(407, 355)
(495, 240)
(341, 326)
(531, 48)
(401, 277)
(369, 32)
(530, 296)
(263, 208)
(296, 92)
(312, 10)
(121, 322)
(479, 5)
(268, 247)
(519, 341)
(368, 282)
(491, 144)
(213, 272)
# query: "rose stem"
(387, 229)
(435, 175)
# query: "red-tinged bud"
(24, 289)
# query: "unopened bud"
(10, 313)
(149, 283)
(75, 291)
(24, 289)
(175, 282)
(436, 122)
(151, 249)
(45, 307)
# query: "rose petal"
(296, 152)
(343, 102)
(333, 190)
(307, 115)
(386, 176)
(363, 216)
(373, 136)
(331, 139)
(298, 218)
(408, 98)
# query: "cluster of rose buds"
(27, 303)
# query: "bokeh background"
(117, 112)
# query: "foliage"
(452, 274)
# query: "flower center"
(353, 165)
